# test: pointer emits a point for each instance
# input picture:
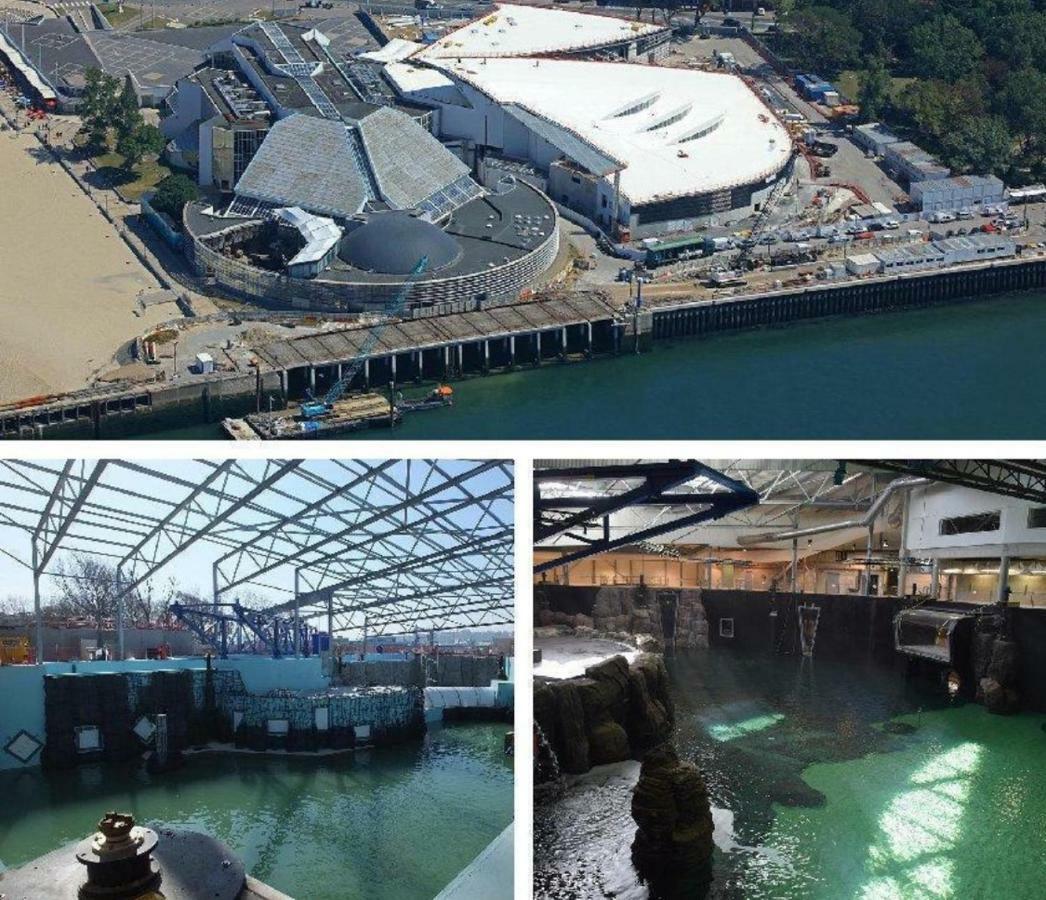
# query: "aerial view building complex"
(441, 191)
(287, 654)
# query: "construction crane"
(317, 408)
(763, 219)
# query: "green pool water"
(958, 811)
(814, 799)
(394, 823)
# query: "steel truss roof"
(1024, 478)
(571, 497)
(389, 546)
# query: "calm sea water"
(971, 370)
(395, 823)
(813, 798)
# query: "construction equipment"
(234, 628)
(15, 649)
(316, 408)
(763, 219)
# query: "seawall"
(463, 345)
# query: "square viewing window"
(726, 628)
(88, 739)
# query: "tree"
(1023, 102)
(981, 144)
(885, 25)
(933, 107)
(943, 48)
(98, 105)
(173, 193)
(134, 146)
(874, 96)
(87, 589)
(126, 115)
(1018, 39)
(824, 39)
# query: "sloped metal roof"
(568, 143)
(409, 164)
(307, 162)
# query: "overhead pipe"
(747, 540)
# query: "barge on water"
(355, 413)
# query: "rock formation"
(996, 666)
(671, 617)
(614, 712)
(672, 850)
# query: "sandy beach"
(68, 283)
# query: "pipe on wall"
(748, 540)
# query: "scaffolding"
(395, 546)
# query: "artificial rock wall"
(675, 617)
(616, 711)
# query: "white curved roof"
(678, 132)
(530, 30)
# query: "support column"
(461, 359)
(340, 370)
(37, 609)
(330, 627)
(537, 344)
(297, 618)
(935, 579)
(283, 382)
(1002, 593)
(486, 355)
(312, 378)
(902, 571)
(366, 372)
(512, 350)
(708, 574)
(392, 365)
(418, 365)
(119, 614)
(795, 561)
(446, 362)
(868, 560)
(588, 337)
(563, 342)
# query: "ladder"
(809, 616)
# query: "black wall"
(563, 598)
(768, 622)
(849, 624)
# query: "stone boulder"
(997, 698)
(650, 711)
(672, 849)
(608, 743)
(560, 715)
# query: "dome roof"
(391, 243)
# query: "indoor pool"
(828, 780)
(395, 823)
